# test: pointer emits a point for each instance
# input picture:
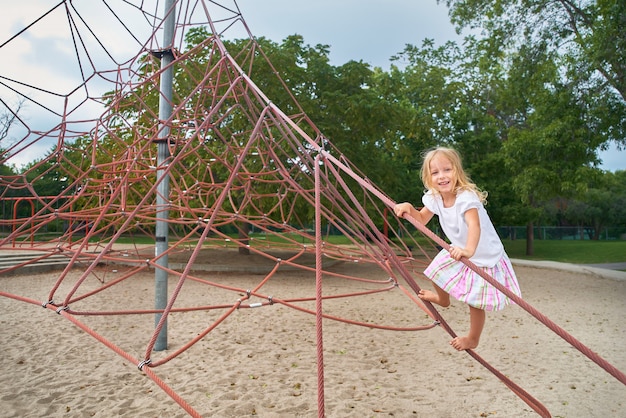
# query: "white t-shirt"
(452, 220)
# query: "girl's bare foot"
(434, 297)
(464, 343)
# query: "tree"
(561, 96)
(601, 205)
(589, 36)
(424, 98)
(7, 120)
(551, 147)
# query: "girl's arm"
(473, 235)
(423, 215)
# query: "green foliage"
(528, 128)
(589, 36)
(603, 204)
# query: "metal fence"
(563, 233)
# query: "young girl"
(458, 203)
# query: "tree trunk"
(243, 233)
(530, 238)
(597, 231)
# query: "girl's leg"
(477, 322)
(441, 298)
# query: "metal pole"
(163, 156)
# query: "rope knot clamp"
(270, 300)
(143, 363)
(248, 293)
(62, 308)
(45, 304)
(159, 53)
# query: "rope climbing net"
(245, 173)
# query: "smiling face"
(442, 173)
(443, 177)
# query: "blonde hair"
(463, 182)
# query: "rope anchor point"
(143, 363)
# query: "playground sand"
(262, 361)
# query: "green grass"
(566, 251)
(577, 252)
(267, 238)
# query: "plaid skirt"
(465, 285)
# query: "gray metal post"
(163, 156)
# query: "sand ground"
(262, 362)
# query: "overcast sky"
(367, 30)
